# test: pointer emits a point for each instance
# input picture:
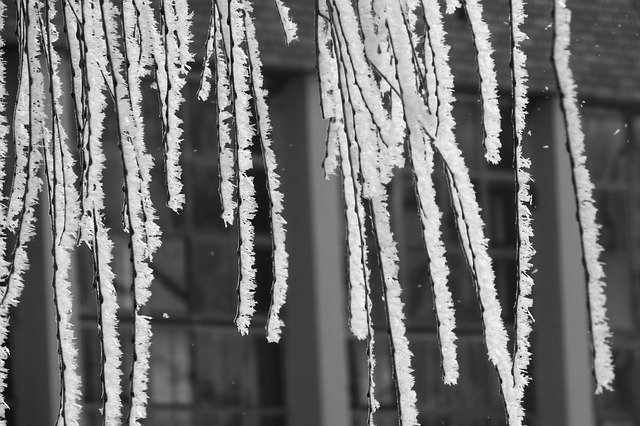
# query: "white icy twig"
(290, 27)
(276, 199)
(245, 132)
(524, 301)
(589, 228)
(488, 80)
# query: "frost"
(589, 229)
(290, 27)
(488, 79)
(387, 92)
(525, 250)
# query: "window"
(203, 372)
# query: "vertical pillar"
(563, 372)
(315, 333)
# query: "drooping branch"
(488, 79)
(245, 133)
(387, 91)
(290, 28)
(586, 209)
(276, 200)
(64, 212)
(524, 247)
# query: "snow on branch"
(442, 90)
(583, 187)
(525, 250)
(276, 206)
(488, 79)
(387, 92)
(290, 28)
(245, 131)
(112, 48)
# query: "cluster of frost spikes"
(4, 143)
(368, 63)
(175, 56)
(280, 256)
(32, 136)
(589, 228)
(91, 92)
(64, 211)
(290, 27)
(488, 79)
(442, 90)
(234, 68)
(525, 250)
(112, 49)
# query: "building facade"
(204, 373)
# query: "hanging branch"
(488, 80)
(24, 182)
(4, 143)
(94, 233)
(64, 212)
(361, 296)
(204, 88)
(470, 229)
(586, 210)
(335, 111)
(400, 353)
(135, 62)
(382, 94)
(176, 38)
(111, 50)
(387, 253)
(245, 133)
(290, 27)
(423, 125)
(276, 200)
(360, 291)
(71, 19)
(327, 74)
(524, 248)
(365, 98)
(353, 186)
(224, 122)
(21, 145)
(135, 215)
(4, 123)
(441, 97)
(453, 5)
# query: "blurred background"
(204, 373)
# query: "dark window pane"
(170, 378)
(469, 131)
(417, 291)
(213, 274)
(500, 216)
(170, 287)
(232, 370)
(605, 138)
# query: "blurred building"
(204, 373)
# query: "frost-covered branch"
(583, 187)
(245, 132)
(488, 79)
(276, 200)
(290, 28)
(524, 248)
